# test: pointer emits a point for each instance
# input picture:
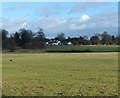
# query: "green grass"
(91, 48)
(62, 74)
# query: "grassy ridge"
(81, 48)
(52, 74)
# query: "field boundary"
(74, 51)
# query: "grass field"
(60, 74)
(78, 48)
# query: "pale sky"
(71, 18)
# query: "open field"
(59, 74)
(84, 47)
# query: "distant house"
(47, 43)
(57, 42)
(69, 43)
(53, 42)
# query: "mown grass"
(81, 48)
(62, 74)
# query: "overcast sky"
(73, 19)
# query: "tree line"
(27, 39)
(23, 39)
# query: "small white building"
(47, 43)
(69, 43)
(56, 43)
